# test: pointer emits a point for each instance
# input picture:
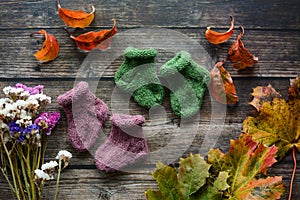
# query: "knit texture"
(85, 115)
(187, 81)
(137, 75)
(125, 144)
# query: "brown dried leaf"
(221, 85)
(239, 55)
(262, 94)
(101, 40)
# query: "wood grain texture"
(272, 32)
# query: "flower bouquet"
(24, 132)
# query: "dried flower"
(40, 174)
(47, 121)
(23, 132)
(63, 154)
(49, 165)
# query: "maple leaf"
(244, 162)
(278, 121)
(278, 124)
(262, 94)
(192, 174)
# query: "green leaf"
(245, 160)
(221, 182)
(192, 174)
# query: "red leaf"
(75, 18)
(221, 85)
(239, 55)
(89, 41)
(50, 48)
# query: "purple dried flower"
(35, 90)
(47, 121)
(19, 133)
(15, 128)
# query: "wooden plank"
(93, 184)
(253, 14)
(159, 129)
(277, 52)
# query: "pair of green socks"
(186, 79)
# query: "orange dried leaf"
(75, 18)
(216, 37)
(50, 48)
(262, 94)
(221, 85)
(239, 55)
(101, 40)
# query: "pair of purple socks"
(86, 115)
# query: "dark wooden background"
(272, 32)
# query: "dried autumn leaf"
(50, 47)
(216, 37)
(192, 174)
(221, 85)
(75, 18)
(277, 123)
(101, 40)
(245, 161)
(262, 94)
(239, 55)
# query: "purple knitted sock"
(125, 144)
(85, 113)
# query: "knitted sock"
(187, 81)
(125, 144)
(137, 75)
(85, 114)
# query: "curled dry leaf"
(216, 37)
(50, 48)
(262, 94)
(75, 18)
(89, 41)
(239, 55)
(221, 85)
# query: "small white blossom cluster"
(40, 174)
(63, 154)
(21, 106)
(47, 170)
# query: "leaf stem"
(294, 172)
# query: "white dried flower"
(63, 154)
(49, 165)
(40, 174)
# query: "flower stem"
(58, 177)
(11, 168)
(294, 172)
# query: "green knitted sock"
(187, 81)
(137, 75)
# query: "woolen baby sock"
(137, 75)
(85, 115)
(125, 144)
(187, 81)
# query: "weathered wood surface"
(272, 34)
